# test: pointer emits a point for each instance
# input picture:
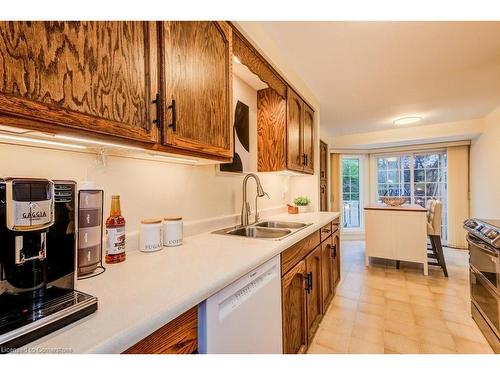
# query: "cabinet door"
(271, 131)
(293, 293)
(92, 76)
(180, 336)
(308, 139)
(295, 118)
(196, 86)
(314, 297)
(323, 196)
(336, 259)
(327, 276)
(323, 161)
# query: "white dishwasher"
(244, 317)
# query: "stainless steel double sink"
(269, 230)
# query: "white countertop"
(148, 290)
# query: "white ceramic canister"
(150, 237)
(172, 231)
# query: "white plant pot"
(303, 209)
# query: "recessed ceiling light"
(236, 59)
(407, 120)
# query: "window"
(418, 177)
(350, 193)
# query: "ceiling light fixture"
(39, 141)
(407, 120)
(95, 142)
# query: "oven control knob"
(492, 234)
(470, 223)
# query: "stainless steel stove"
(484, 251)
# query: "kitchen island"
(397, 233)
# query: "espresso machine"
(37, 260)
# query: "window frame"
(443, 195)
(361, 191)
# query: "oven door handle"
(481, 246)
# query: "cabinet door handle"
(322, 190)
(334, 252)
(310, 282)
(173, 125)
(306, 159)
(157, 121)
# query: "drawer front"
(180, 336)
(293, 255)
(326, 231)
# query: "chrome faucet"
(245, 208)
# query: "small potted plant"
(302, 203)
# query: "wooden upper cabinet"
(196, 86)
(314, 295)
(271, 131)
(327, 277)
(323, 160)
(295, 120)
(308, 139)
(294, 309)
(92, 76)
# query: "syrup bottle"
(115, 233)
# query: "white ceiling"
(366, 74)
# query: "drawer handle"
(326, 230)
(334, 252)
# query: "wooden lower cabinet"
(294, 309)
(327, 272)
(314, 293)
(180, 336)
(310, 272)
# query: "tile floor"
(384, 310)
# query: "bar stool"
(434, 217)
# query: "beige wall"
(485, 170)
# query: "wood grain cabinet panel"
(323, 161)
(295, 118)
(271, 131)
(308, 139)
(84, 75)
(314, 295)
(327, 272)
(294, 309)
(196, 86)
(180, 336)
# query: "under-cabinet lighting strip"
(39, 141)
(174, 159)
(95, 142)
